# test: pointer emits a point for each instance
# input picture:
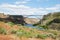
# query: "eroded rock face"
(31, 20)
(56, 20)
(17, 19)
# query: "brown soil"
(12, 37)
(8, 37)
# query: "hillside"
(51, 20)
(15, 31)
(31, 20)
(17, 19)
(10, 31)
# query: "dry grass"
(10, 36)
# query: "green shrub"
(28, 34)
(24, 33)
(11, 23)
(52, 35)
(44, 27)
(3, 31)
(13, 31)
(20, 33)
(19, 24)
(55, 33)
(43, 36)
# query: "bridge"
(28, 18)
(32, 19)
(33, 16)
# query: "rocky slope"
(11, 31)
(18, 19)
(31, 20)
(51, 20)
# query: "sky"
(29, 7)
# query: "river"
(31, 26)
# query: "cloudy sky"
(29, 7)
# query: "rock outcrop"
(52, 20)
(17, 19)
(31, 20)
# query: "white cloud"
(42, 0)
(21, 9)
(52, 8)
(55, 8)
(26, 10)
(22, 2)
(58, 5)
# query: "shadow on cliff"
(16, 19)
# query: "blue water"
(31, 26)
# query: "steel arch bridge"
(33, 16)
